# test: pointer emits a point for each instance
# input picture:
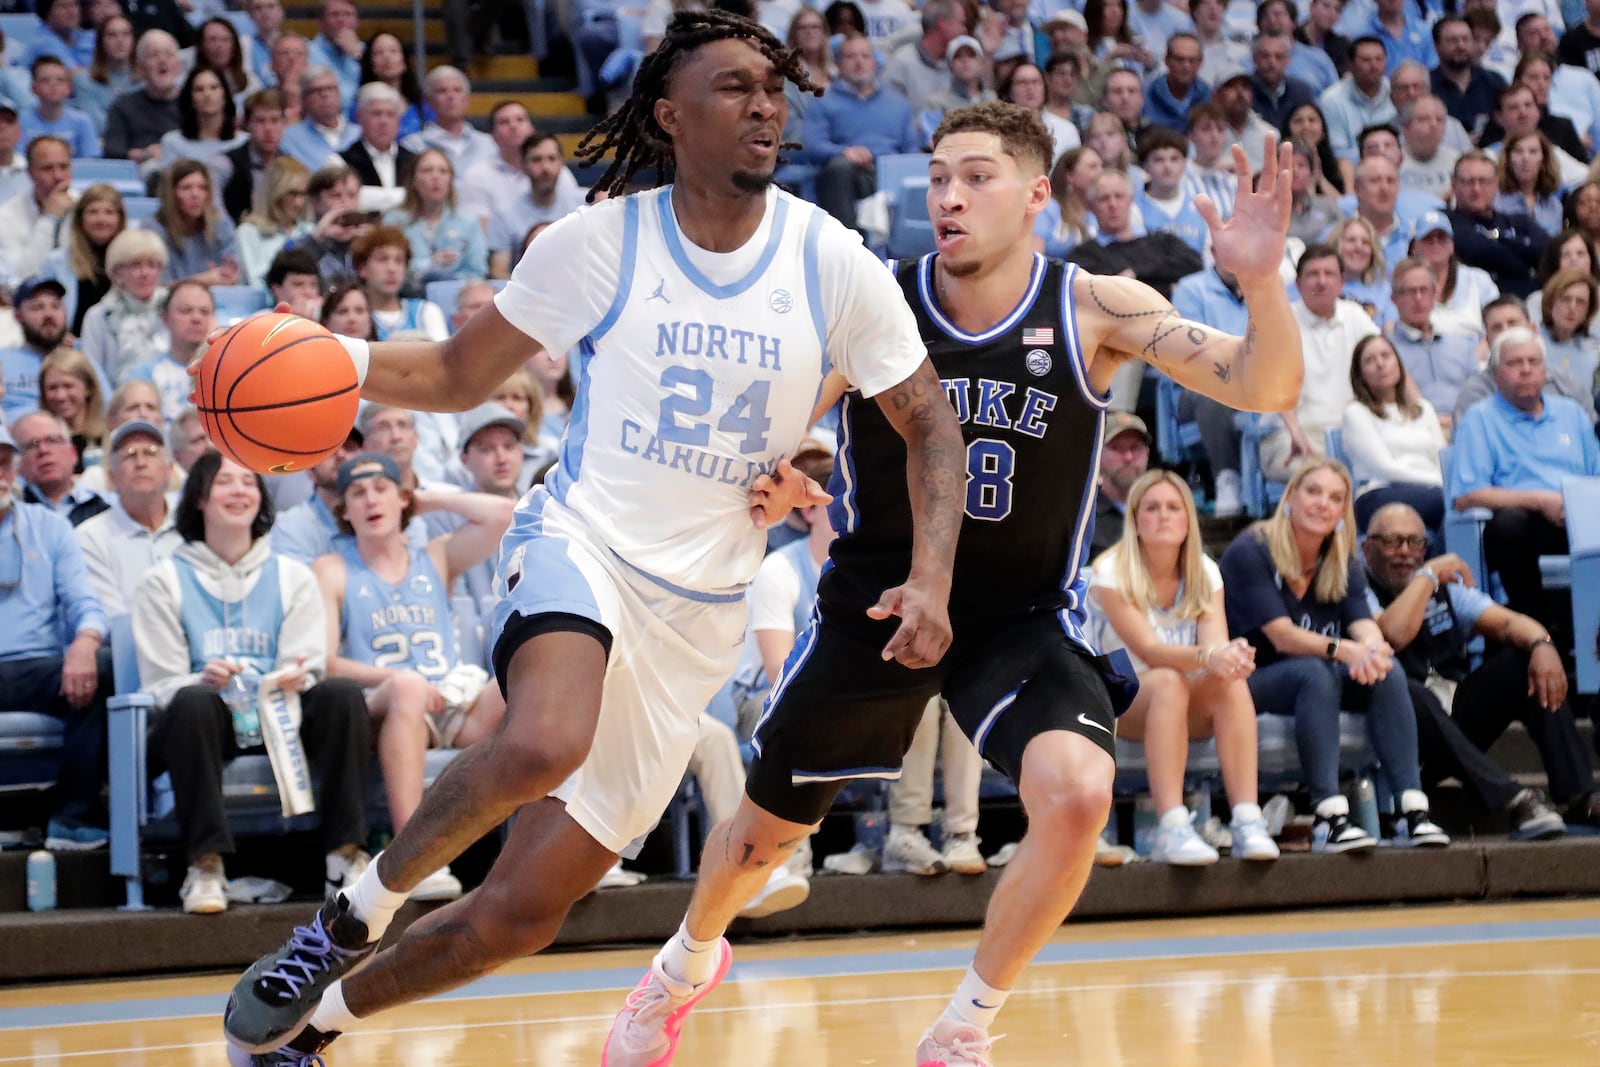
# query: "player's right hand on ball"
(924, 632)
(211, 339)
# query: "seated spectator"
(139, 530)
(1506, 312)
(1463, 290)
(490, 461)
(69, 389)
(1361, 100)
(1427, 162)
(51, 600)
(189, 314)
(1377, 194)
(1109, 138)
(1124, 98)
(1213, 297)
(1168, 97)
(44, 328)
(1062, 71)
(1518, 115)
(918, 69)
(346, 312)
(1066, 221)
(266, 17)
(1210, 171)
(293, 279)
(1567, 308)
(1297, 593)
(1461, 711)
(1467, 90)
(1112, 39)
(967, 82)
(63, 38)
(1317, 32)
(218, 47)
(125, 327)
(482, 185)
(421, 442)
(807, 34)
(224, 588)
(1438, 355)
(1311, 214)
(80, 263)
(30, 222)
(1231, 91)
(47, 465)
(138, 118)
(1365, 273)
(1329, 175)
(1158, 595)
(854, 122)
(1571, 249)
(473, 296)
(281, 215)
(384, 62)
(544, 202)
(1275, 93)
(338, 47)
(207, 118)
(1163, 204)
(13, 164)
(335, 195)
(1222, 52)
(446, 244)
(1529, 181)
(1392, 437)
(1124, 457)
(1307, 63)
(381, 257)
(201, 241)
(377, 157)
(52, 86)
(291, 58)
(308, 529)
(241, 171)
(1511, 452)
(521, 395)
(186, 438)
(1409, 205)
(1507, 246)
(419, 693)
(1329, 330)
(1159, 259)
(322, 132)
(449, 95)
(553, 376)
(1557, 86)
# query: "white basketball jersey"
(699, 373)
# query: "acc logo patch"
(781, 301)
(1038, 362)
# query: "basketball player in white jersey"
(706, 315)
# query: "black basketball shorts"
(841, 712)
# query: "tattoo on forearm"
(792, 842)
(1222, 371)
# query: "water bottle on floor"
(41, 881)
(1145, 824)
(1367, 806)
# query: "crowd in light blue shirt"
(1498, 445)
(53, 599)
(882, 123)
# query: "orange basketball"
(277, 393)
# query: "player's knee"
(531, 766)
(1068, 797)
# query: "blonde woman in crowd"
(1297, 592)
(1366, 275)
(69, 388)
(1157, 594)
(80, 263)
(125, 327)
(280, 214)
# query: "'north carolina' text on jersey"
(697, 371)
(1032, 426)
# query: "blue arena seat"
(1333, 444)
(911, 231)
(444, 293)
(895, 169)
(238, 302)
(1581, 496)
(140, 208)
(121, 174)
(1175, 440)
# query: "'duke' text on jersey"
(984, 403)
(711, 341)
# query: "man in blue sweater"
(853, 123)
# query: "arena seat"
(30, 750)
(140, 208)
(121, 174)
(1175, 440)
(1581, 497)
(235, 303)
(1260, 495)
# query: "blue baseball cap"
(367, 465)
(1431, 221)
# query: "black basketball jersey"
(1032, 426)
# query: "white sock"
(689, 959)
(976, 1002)
(1175, 816)
(374, 903)
(1243, 813)
(331, 1016)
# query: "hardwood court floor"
(1505, 985)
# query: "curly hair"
(1022, 133)
(632, 130)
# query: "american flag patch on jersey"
(1044, 335)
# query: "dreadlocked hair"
(632, 130)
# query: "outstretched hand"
(773, 495)
(1251, 242)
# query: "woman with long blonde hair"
(201, 241)
(1366, 275)
(80, 264)
(280, 213)
(69, 388)
(1298, 594)
(1157, 594)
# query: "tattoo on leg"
(792, 842)
(744, 860)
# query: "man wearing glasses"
(49, 459)
(45, 593)
(1507, 246)
(1428, 612)
(135, 534)
(323, 131)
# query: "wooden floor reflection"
(1415, 988)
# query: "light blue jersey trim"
(814, 288)
(931, 303)
(688, 594)
(630, 254)
(669, 230)
(577, 432)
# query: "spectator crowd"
(1442, 262)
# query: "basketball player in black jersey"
(1026, 348)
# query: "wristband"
(1544, 640)
(360, 355)
(1427, 572)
